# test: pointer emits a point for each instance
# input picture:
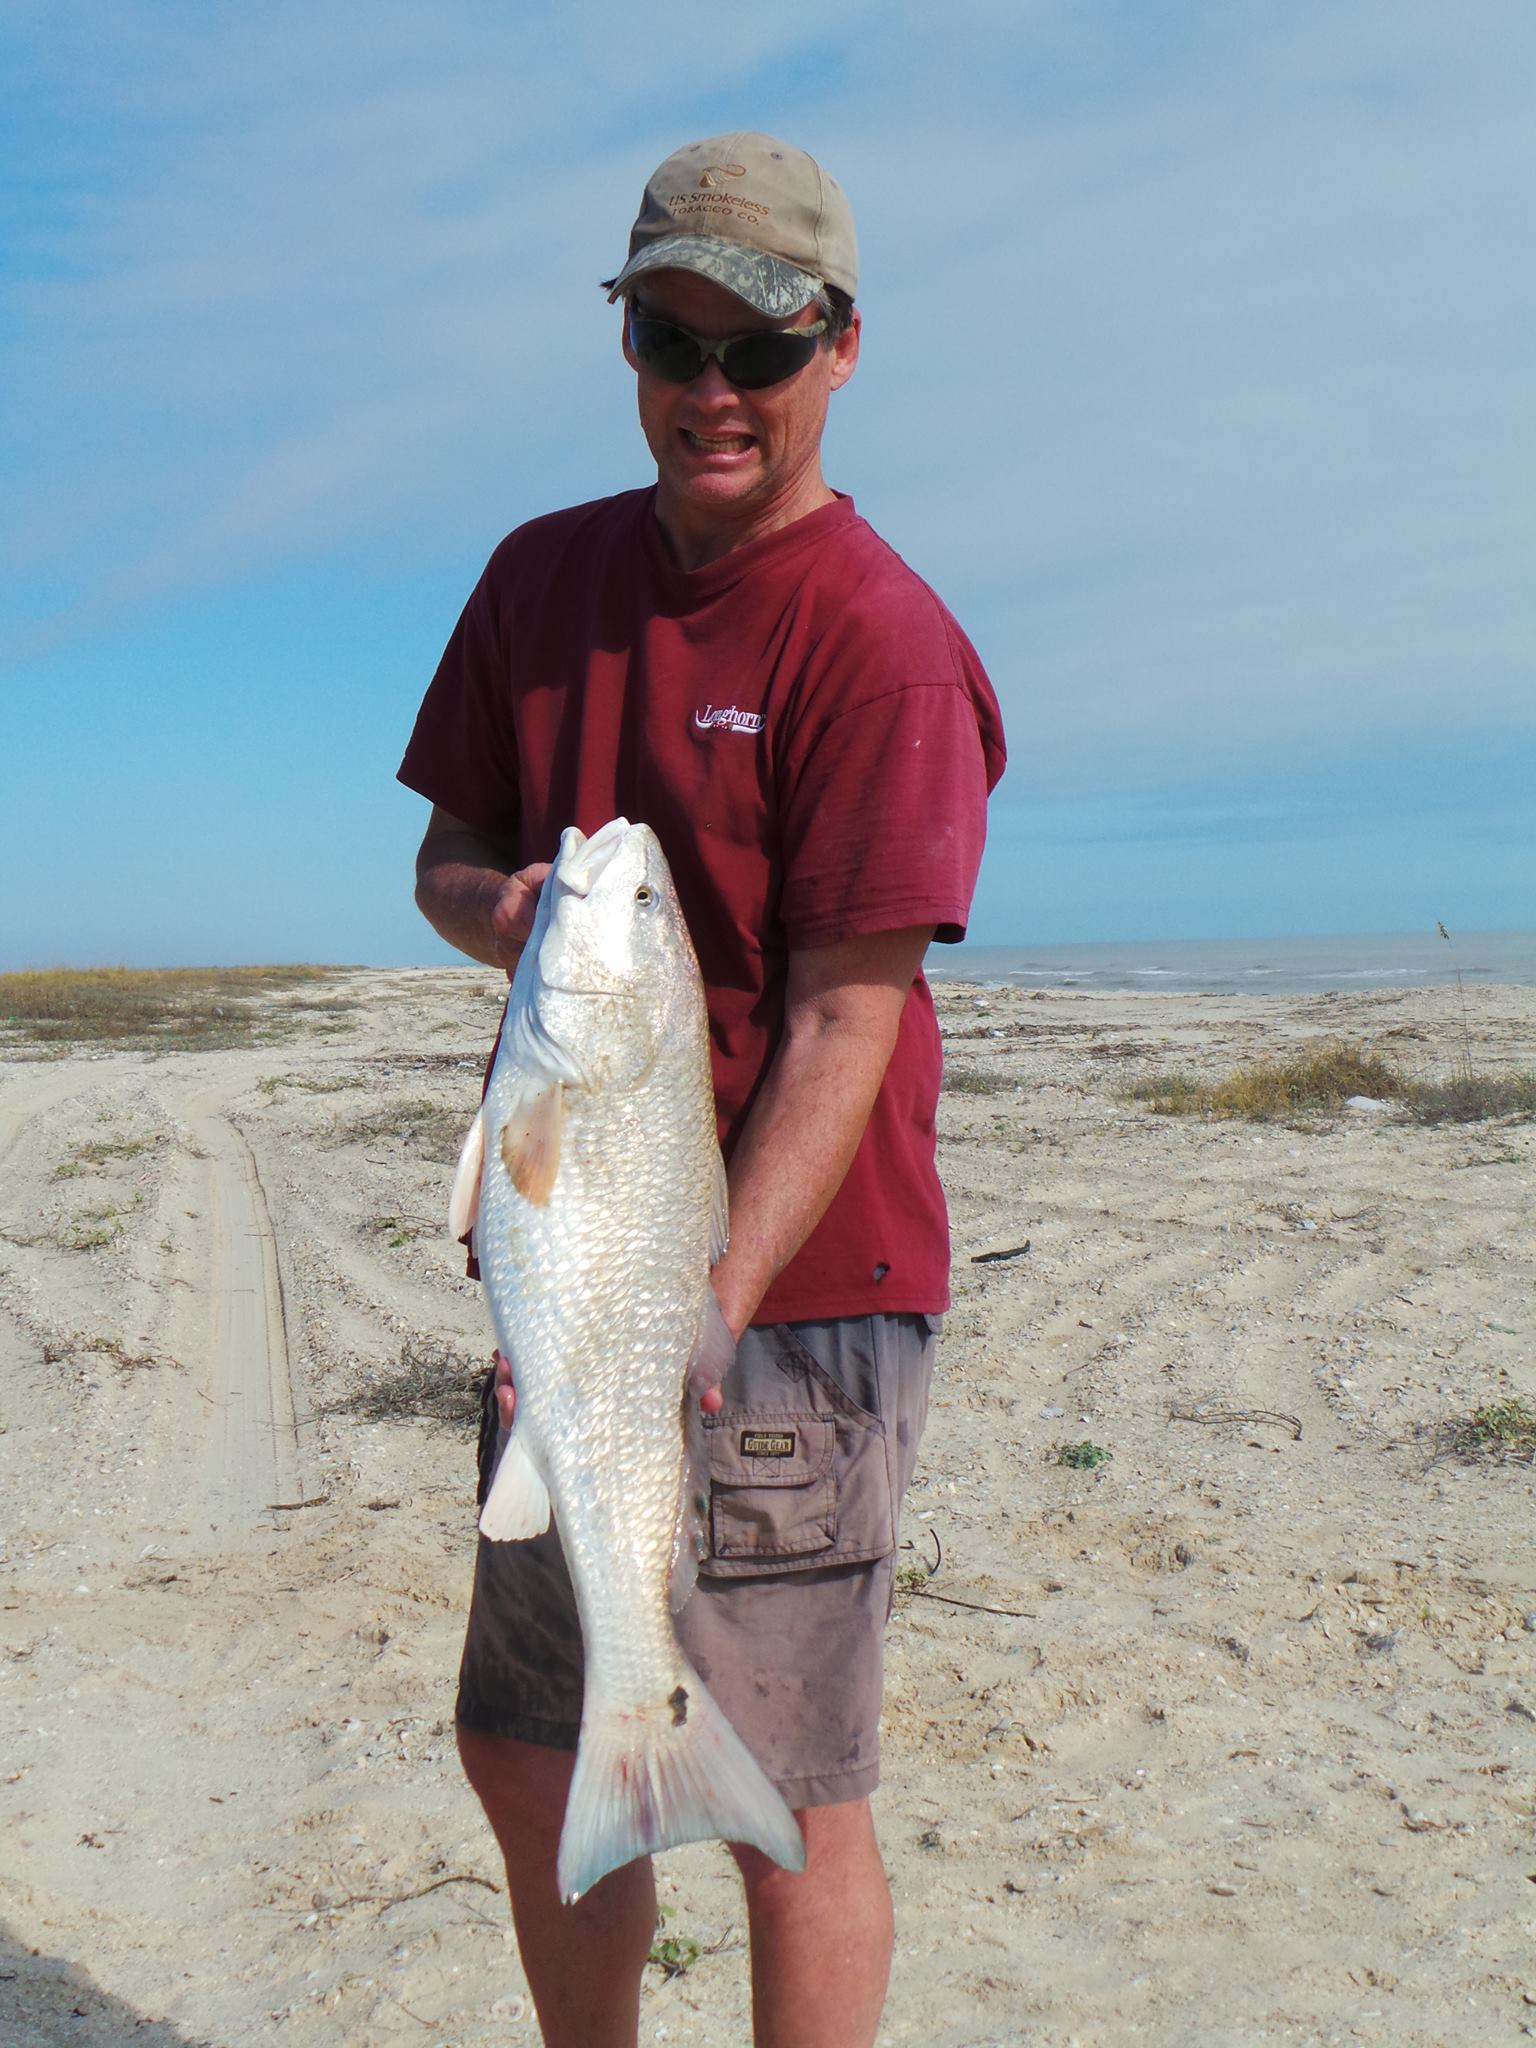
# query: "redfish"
(594, 1183)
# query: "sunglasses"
(749, 361)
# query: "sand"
(1228, 1740)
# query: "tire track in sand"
(23, 1103)
(251, 1454)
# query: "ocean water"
(1293, 966)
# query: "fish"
(593, 1182)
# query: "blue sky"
(1196, 378)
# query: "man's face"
(734, 464)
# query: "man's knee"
(522, 1787)
(840, 1846)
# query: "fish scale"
(593, 1180)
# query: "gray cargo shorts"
(809, 1460)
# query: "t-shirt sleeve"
(884, 814)
(463, 751)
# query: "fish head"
(615, 929)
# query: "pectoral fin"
(464, 1202)
(517, 1505)
(530, 1140)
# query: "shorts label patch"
(767, 1443)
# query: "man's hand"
(468, 892)
(513, 910)
(715, 1356)
(506, 1393)
(713, 1363)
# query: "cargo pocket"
(792, 1487)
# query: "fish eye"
(645, 893)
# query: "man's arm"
(467, 890)
(842, 1011)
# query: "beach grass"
(1322, 1079)
(1501, 1430)
(97, 1153)
(164, 1008)
(1469, 1098)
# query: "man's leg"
(821, 1939)
(583, 1962)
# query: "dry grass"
(1267, 1090)
(310, 1084)
(90, 1229)
(94, 1156)
(975, 1081)
(164, 1008)
(1469, 1098)
(419, 1125)
(1320, 1081)
(121, 1357)
(432, 1380)
(399, 1230)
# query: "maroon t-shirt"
(812, 739)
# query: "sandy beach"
(1226, 1739)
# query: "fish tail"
(649, 1778)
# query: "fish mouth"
(579, 866)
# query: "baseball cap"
(757, 216)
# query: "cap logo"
(710, 176)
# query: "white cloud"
(1194, 335)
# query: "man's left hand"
(702, 1379)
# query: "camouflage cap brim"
(766, 282)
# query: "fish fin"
(464, 1202)
(714, 1350)
(517, 1505)
(530, 1140)
(648, 1778)
(719, 1215)
(688, 1540)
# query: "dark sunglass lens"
(751, 361)
(757, 360)
(666, 349)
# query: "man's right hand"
(469, 893)
(512, 912)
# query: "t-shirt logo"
(729, 717)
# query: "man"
(736, 658)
